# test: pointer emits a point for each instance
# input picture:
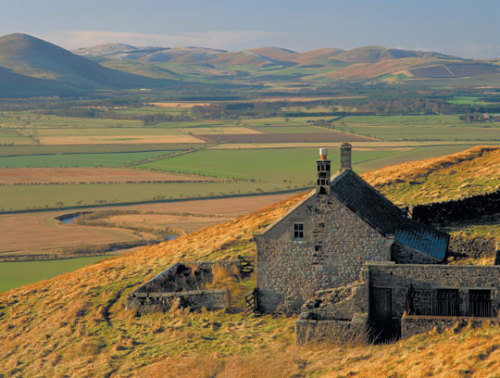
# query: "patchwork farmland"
(151, 156)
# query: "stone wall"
(399, 277)
(336, 244)
(476, 247)
(332, 331)
(445, 213)
(183, 282)
(415, 324)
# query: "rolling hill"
(76, 324)
(60, 69)
(123, 66)
(363, 64)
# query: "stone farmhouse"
(349, 260)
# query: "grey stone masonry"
(345, 156)
(402, 254)
(332, 331)
(335, 245)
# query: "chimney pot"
(323, 167)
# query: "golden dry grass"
(467, 173)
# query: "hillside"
(464, 174)
(35, 58)
(13, 85)
(76, 324)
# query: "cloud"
(216, 39)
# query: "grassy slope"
(463, 174)
(76, 324)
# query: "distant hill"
(32, 57)
(77, 324)
(123, 66)
(275, 63)
(374, 54)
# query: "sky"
(465, 28)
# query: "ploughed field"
(77, 324)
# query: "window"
(480, 303)
(447, 302)
(298, 231)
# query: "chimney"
(323, 164)
(345, 156)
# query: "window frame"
(298, 231)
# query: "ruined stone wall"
(399, 277)
(183, 282)
(185, 276)
(415, 324)
(445, 213)
(195, 300)
(339, 303)
(336, 244)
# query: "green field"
(268, 165)
(469, 100)
(77, 160)
(419, 128)
(15, 274)
(32, 119)
(36, 197)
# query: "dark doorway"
(382, 327)
(480, 303)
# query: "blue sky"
(469, 28)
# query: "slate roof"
(385, 217)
